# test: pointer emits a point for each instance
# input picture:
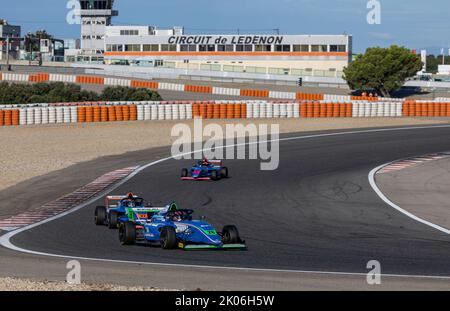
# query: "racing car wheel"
(224, 172)
(215, 175)
(184, 172)
(168, 238)
(100, 215)
(127, 233)
(113, 218)
(230, 235)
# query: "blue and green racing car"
(174, 228)
(116, 208)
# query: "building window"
(168, 47)
(150, 48)
(244, 48)
(338, 48)
(319, 48)
(188, 48)
(132, 48)
(114, 48)
(282, 48)
(225, 48)
(263, 48)
(129, 32)
(207, 48)
(301, 48)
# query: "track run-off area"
(317, 212)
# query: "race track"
(317, 212)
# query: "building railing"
(253, 69)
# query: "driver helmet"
(130, 195)
(205, 161)
(177, 216)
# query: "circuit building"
(148, 46)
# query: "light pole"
(7, 52)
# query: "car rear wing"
(119, 197)
(149, 209)
(217, 163)
(116, 198)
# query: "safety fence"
(249, 93)
(88, 112)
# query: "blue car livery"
(205, 170)
(116, 209)
(174, 228)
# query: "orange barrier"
(323, 111)
(39, 77)
(316, 110)
(209, 111)
(342, 110)
(126, 113)
(15, 117)
(81, 112)
(7, 118)
(237, 111)
(348, 110)
(254, 93)
(112, 113)
(230, 111)
(309, 97)
(203, 112)
(144, 84)
(329, 110)
(303, 110)
(2, 118)
(133, 113)
(244, 111)
(104, 114)
(368, 98)
(443, 110)
(89, 80)
(406, 109)
(223, 111)
(448, 109)
(96, 114)
(195, 110)
(309, 110)
(118, 112)
(1, 76)
(198, 88)
(216, 111)
(89, 114)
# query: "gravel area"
(32, 151)
(10, 284)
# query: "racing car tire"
(127, 233)
(184, 173)
(230, 235)
(168, 238)
(100, 215)
(113, 220)
(224, 172)
(215, 175)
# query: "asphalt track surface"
(317, 212)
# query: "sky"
(416, 24)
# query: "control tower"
(95, 16)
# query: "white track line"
(5, 240)
(377, 190)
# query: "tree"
(382, 69)
(33, 40)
